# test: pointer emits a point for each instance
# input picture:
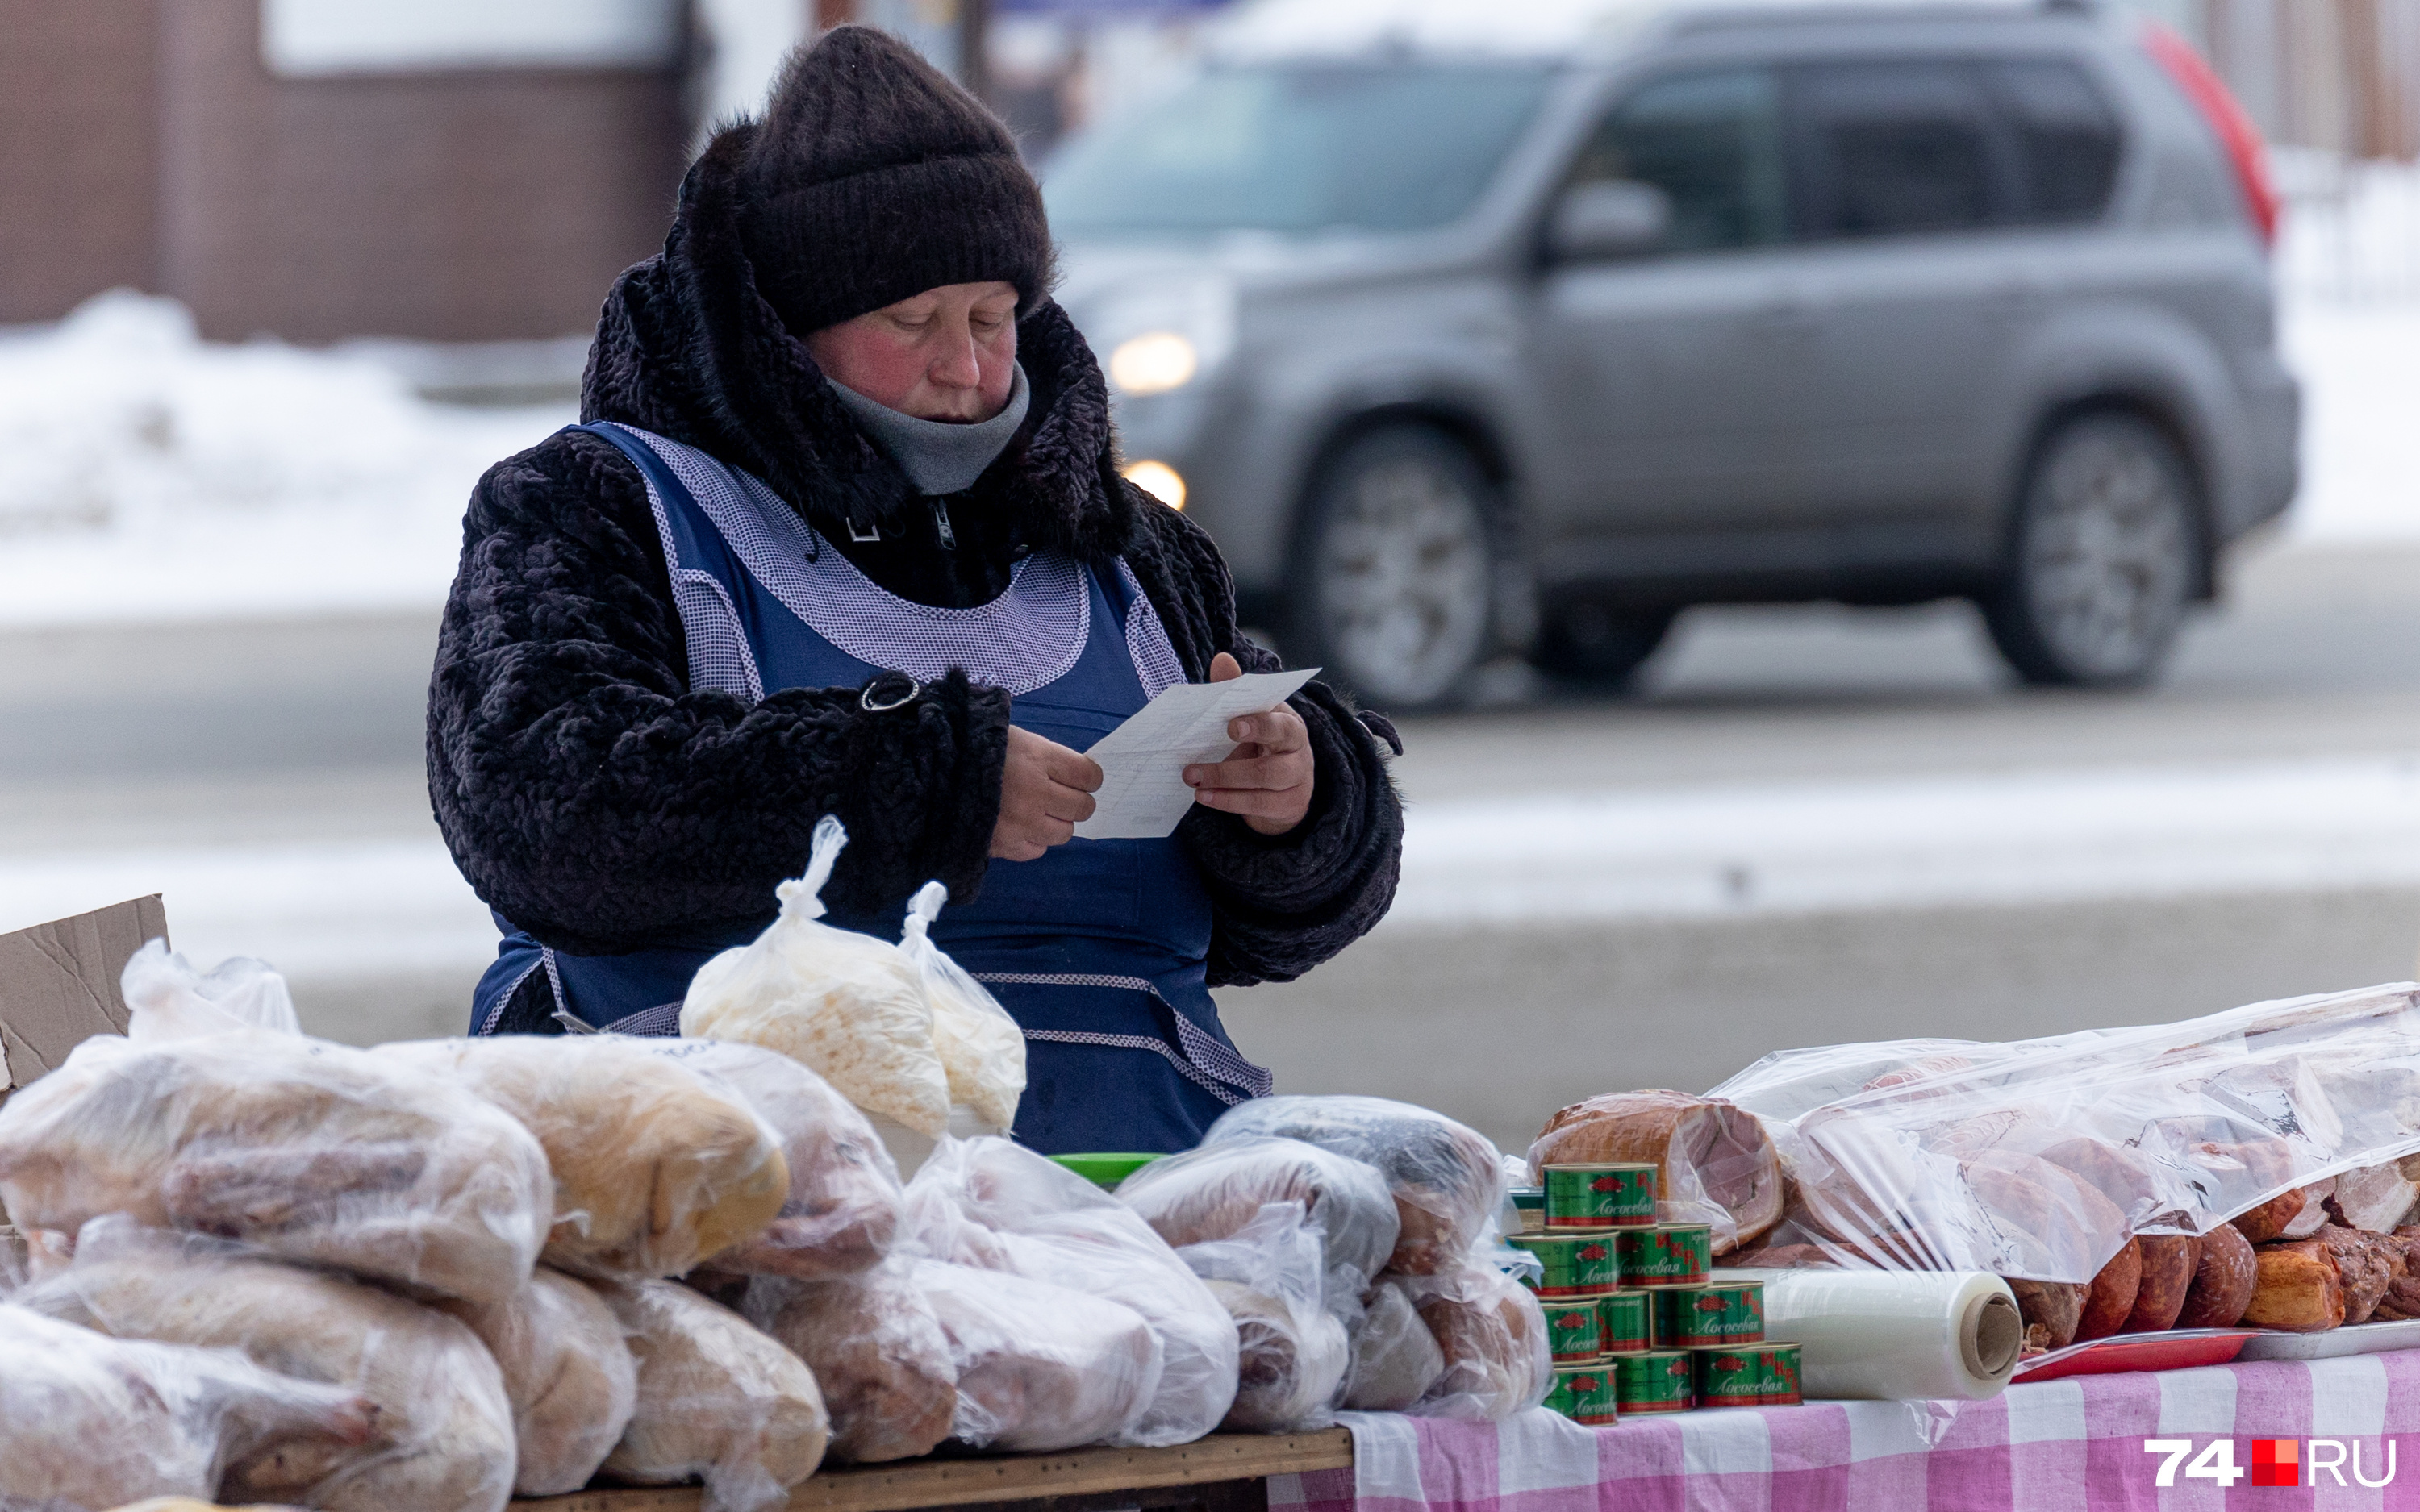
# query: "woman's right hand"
(1046, 789)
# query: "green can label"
(1688, 1318)
(1576, 1265)
(1629, 1326)
(1665, 1380)
(1584, 1393)
(1759, 1375)
(1574, 1331)
(1600, 1196)
(1667, 1255)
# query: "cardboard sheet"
(59, 985)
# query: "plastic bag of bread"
(999, 1206)
(95, 1422)
(570, 1380)
(1448, 1181)
(1039, 1367)
(1395, 1358)
(982, 1049)
(656, 1166)
(718, 1401)
(877, 1350)
(1215, 1192)
(196, 1120)
(1713, 1164)
(1492, 1334)
(846, 1005)
(443, 1427)
(843, 1208)
(1269, 1275)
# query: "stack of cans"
(1635, 1318)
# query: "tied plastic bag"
(842, 1207)
(178, 1001)
(877, 1350)
(1490, 1333)
(1448, 1181)
(1039, 1367)
(309, 1150)
(567, 1375)
(1000, 1207)
(442, 1428)
(982, 1049)
(717, 1400)
(91, 1421)
(1216, 1191)
(1395, 1358)
(1269, 1275)
(656, 1166)
(846, 1005)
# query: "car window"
(1712, 142)
(1895, 148)
(2067, 137)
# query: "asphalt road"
(244, 734)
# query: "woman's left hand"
(1268, 778)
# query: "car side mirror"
(1622, 218)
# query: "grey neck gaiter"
(938, 455)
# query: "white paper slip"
(1142, 760)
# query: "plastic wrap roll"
(1894, 1335)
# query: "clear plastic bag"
(1270, 1275)
(982, 1049)
(569, 1378)
(877, 1350)
(443, 1427)
(95, 1422)
(999, 1206)
(1395, 1358)
(1039, 1367)
(654, 1166)
(1491, 1334)
(177, 1001)
(1447, 1180)
(1216, 1191)
(1714, 1163)
(717, 1400)
(2041, 1158)
(846, 1005)
(309, 1150)
(842, 1209)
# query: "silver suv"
(1454, 356)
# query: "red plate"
(2179, 1349)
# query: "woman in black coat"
(904, 586)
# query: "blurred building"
(2341, 76)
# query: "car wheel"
(1589, 642)
(2103, 558)
(1394, 572)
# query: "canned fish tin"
(1585, 1394)
(1667, 1255)
(1531, 1203)
(1575, 1329)
(1629, 1326)
(1602, 1195)
(1688, 1318)
(1576, 1265)
(1755, 1374)
(1664, 1380)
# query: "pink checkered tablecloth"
(2073, 1443)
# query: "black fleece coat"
(595, 799)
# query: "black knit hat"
(873, 178)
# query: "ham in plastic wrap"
(570, 1380)
(1039, 1366)
(1270, 1275)
(1713, 1164)
(717, 1401)
(878, 1351)
(1216, 1191)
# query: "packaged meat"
(89, 1421)
(2296, 1288)
(1713, 1164)
(2225, 1273)
(570, 1379)
(1448, 1181)
(1492, 1334)
(2402, 1299)
(999, 1206)
(2050, 1311)
(1215, 1192)
(2169, 1262)
(877, 1352)
(2109, 1301)
(444, 1427)
(846, 1005)
(654, 1166)
(842, 1207)
(982, 1048)
(2366, 1263)
(717, 1400)
(2375, 1199)
(312, 1151)
(1395, 1358)
(1039, 1366)
(1270, 1275)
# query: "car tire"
(2104, 554)
(1394, 569)
(1598, 644)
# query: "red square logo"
(2276, 1461)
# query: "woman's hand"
(1046, 789)
(1268, 778)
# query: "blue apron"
(1097, 948)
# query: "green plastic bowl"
(1105, 1170)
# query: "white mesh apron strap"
(1201, 1057)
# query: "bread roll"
(2224, 1274)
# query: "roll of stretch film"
(1894, 1335)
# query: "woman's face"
(949, 353)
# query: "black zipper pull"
(941, 524)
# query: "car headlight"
(1161, 336)
(1159, 480)
(1154, 363)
